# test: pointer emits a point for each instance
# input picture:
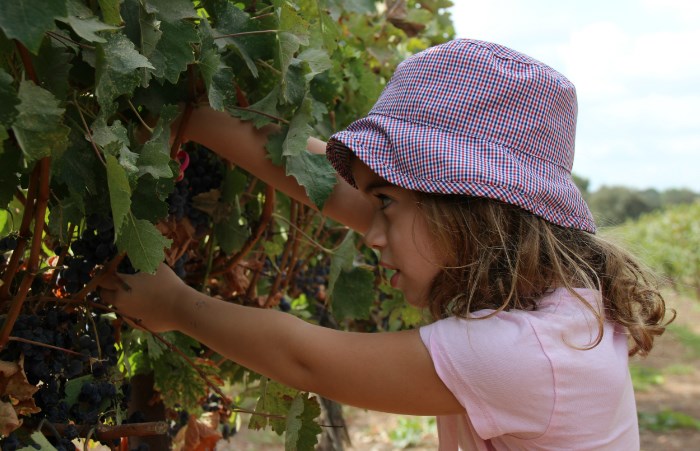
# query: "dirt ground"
(668, 387)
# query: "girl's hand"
(150, 300)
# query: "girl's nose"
(375, 237)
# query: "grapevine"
(96, 178)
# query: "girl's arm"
(239, 142)
(390, 372)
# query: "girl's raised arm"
(239, 142)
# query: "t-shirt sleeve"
(497, 370)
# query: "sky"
(636, 68)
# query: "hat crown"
(489, 92)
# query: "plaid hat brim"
(423, 158)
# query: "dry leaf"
(8, 419)
(15, 387)
(199, 434)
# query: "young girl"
(460, 178)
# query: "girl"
(460, 178)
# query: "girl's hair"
(507, 258)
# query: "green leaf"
(148, 200)
(172, 10)
(8, 99)
(315, 174)
(119, 192)
(218, 80)
(154, 158)
(28, 20)
(39, 439)
(38, 127)
(143, 243)
(302, 431)
(274, 146)
(341, 260)
(231, 20)
(275, 399)
(353, 294)
(231, 231)
(77, 167)
(116, 69)
(10, 168)
(267, 105)
(73, 387)
(174, 50)
(110, 11)
(84, 23)
(317, 59)
(52, 67)
(69, 209)
(299, 131)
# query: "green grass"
(644, 378)
(687, 337)
(667, 420)
(411, 430)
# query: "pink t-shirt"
(523, 384)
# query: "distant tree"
(612, 205)
(652, 197)
(675, 196)
(583, 185)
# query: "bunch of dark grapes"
(93, 351)
(203, 174)
(94, 247)
(311, 280)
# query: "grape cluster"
(92, 343)
(203, 173)
(94, 247)
(311, 280)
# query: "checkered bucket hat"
(474, 118)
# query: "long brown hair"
(503, 257)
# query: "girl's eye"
(384, 201)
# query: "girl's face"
(399, 231)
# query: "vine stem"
(43, 167)
(262, 113)
(43, 345)
(245, 33)
(24, 235)
(263, 223)
(87, 131)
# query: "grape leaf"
(267, 105)
(174, 50)
(114, 139)
(299, 131)
(28, 20)
(315, 174)
(69, 209)
(84, 23)
(148, 198)
(38, 128)
(231, 231)
(155, 155)
(143, 243)
(40, 440)
(77, 167)
(231, 20)
(116, 69)
(52, 66)
(8, 99)
(217, 78)
(119, 192)
(301, 429)
(293, 34)
(341, 260)
(10, 168)
(110, 11)
(172, 10)
(353, 294)
(275, 399)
